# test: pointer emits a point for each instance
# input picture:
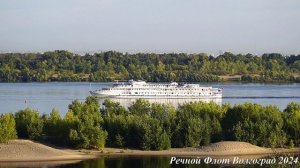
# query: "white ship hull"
(144, 90)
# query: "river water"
(45, 96)
(201, 162)
(251, 161)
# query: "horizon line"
(82, 53)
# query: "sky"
(190, 26)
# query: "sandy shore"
(28, 151)
(25, 150)
(226, 148)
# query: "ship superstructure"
(142, 89)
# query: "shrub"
(84, 124)
(7, 128)
(255, 124)
(291, 117)
(29, 125)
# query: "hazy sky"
(238, 26)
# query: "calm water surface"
(45, 96)
(163, 162)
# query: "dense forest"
(156, 126)
(110, 66)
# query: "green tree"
(140, 107)
(7, 128)
(62, 65)
(292, 122)
(113, 108)
(197, 123)
(29, 124)
(255, 124)
(54, 127)
(85, 124)
(117, 127)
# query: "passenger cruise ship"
(141, 89)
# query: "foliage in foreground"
(80, 128)
(157, 126)
(144, 126)
(7, 128)
(291, 116)
(256, 124)
(197, 123)
(29, 124)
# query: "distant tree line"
(110, 66)
(156, 126)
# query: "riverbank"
(225, 149)
(28, 151)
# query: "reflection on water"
(160, 162)
(126, 102)
(164, 162)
